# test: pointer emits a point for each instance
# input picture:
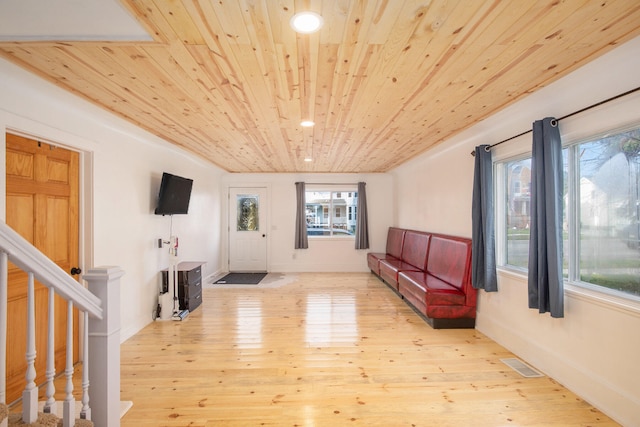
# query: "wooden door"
(248, 229)
(42, 206)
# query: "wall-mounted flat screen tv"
(175, 192)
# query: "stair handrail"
(23, 254)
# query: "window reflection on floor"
(331, 319)
(249, 323)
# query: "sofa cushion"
(373, 261)
(415, 248)
(429, 289)
(449, 260)
(390, 267)
(442, 293)
(395, 240)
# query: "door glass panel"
(248, 206)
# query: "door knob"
(75, 270)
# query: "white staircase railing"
(101, 340)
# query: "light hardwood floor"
(329, 350)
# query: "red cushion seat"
(373, 261)
(389, 269)
(429, 288)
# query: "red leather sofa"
(431, 272)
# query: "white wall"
(322, 255)
(122, 166)
(594, 349)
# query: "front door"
(42, 206)
(248, 229)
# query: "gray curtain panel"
(302, 242)
(362, 226)
(483, 256)
(545, 243)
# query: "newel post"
(104, 347)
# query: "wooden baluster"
(69, 406)
(3, 331)
(85, 412)
(51, 407)
(30, 393)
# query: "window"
(339, 224)
(601, 224)
(518, 176)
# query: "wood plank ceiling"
(384, 80)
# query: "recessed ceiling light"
(307, 123)
(306, 22)
(308, 159)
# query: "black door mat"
(241, 279)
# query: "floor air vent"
(522, 368)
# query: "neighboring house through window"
(342, 204)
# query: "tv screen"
(174, 195)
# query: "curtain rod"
(597, 104)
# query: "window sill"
(629, 305)
(513, 273)
(349, 238)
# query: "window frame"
(500, 213)
(334, 190)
